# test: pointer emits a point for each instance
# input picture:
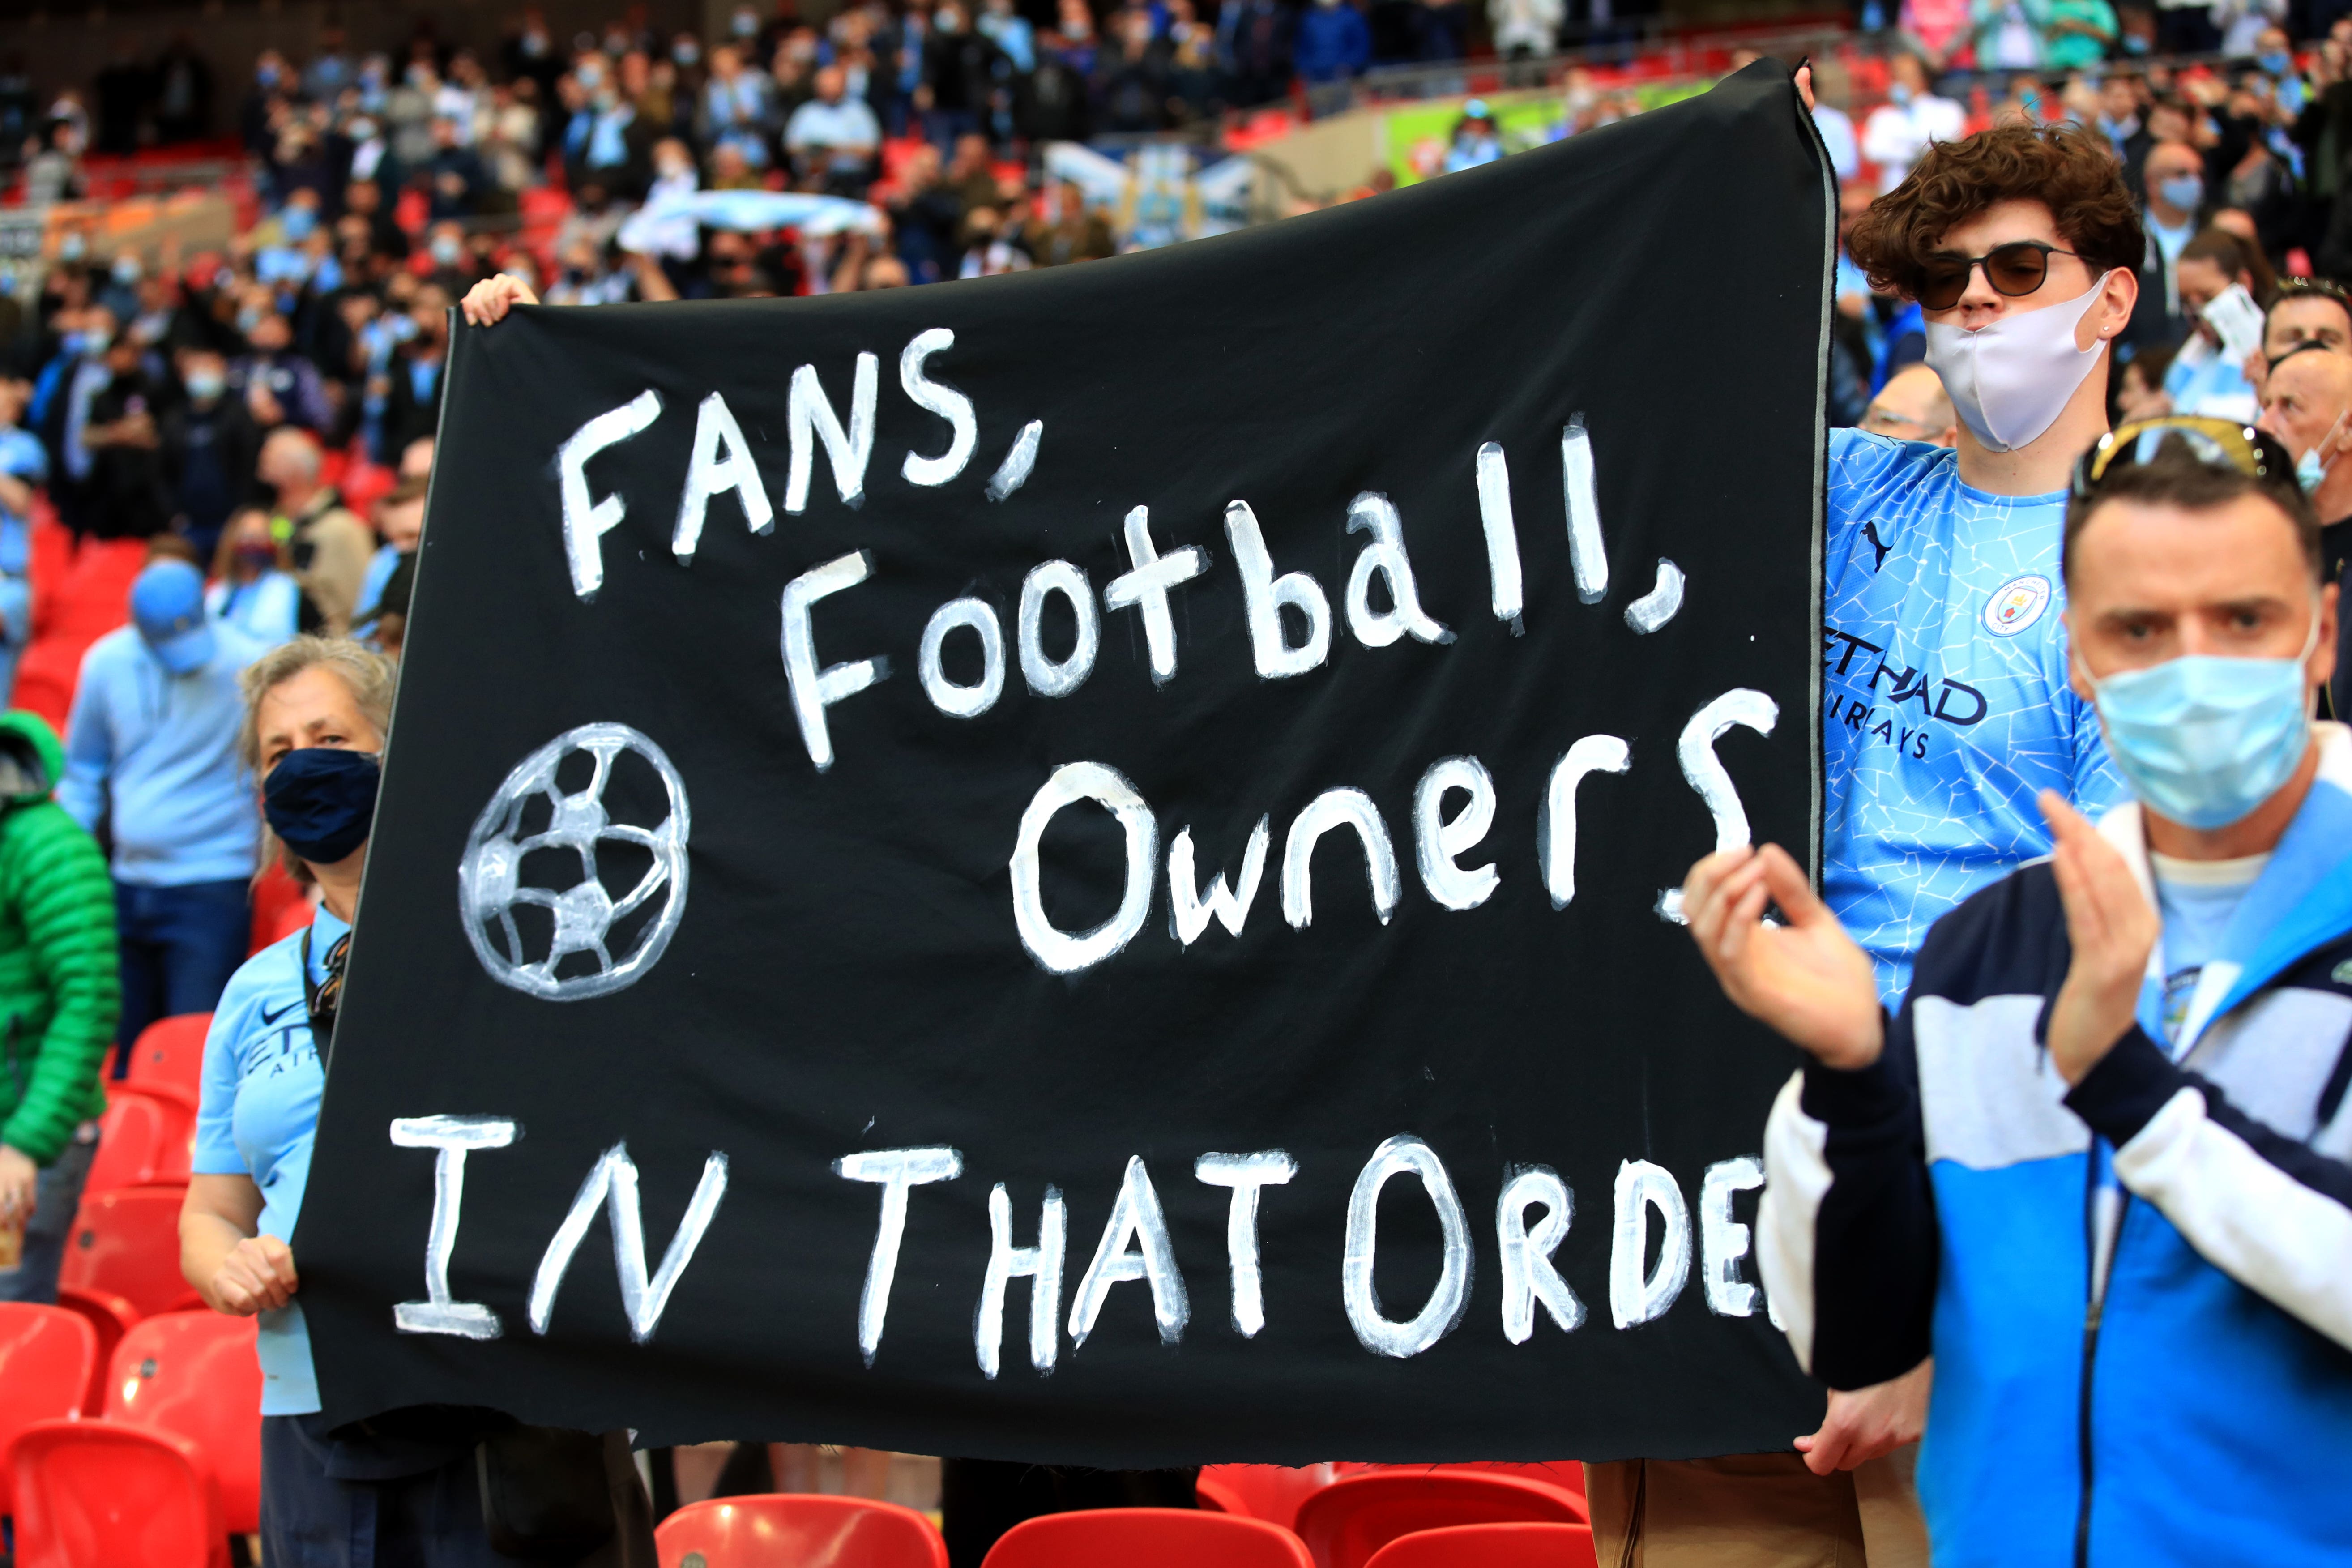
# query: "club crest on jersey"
(2017, 604)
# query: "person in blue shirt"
(253, 588)
(400, 524)
(1946, 708)
(2099, 1164)
(24, 467)
(151, 752)
(310, 727)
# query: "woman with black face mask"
(315, 715)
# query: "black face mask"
(320, 802)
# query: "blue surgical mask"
(297, 222)
(320, 802)
(2309, 471)
(2203, 740)
(204, 386)
(2277, 63)
(2186, 192)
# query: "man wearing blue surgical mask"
(151, 752)
(2099, 1164)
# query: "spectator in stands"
(279, 386)
(455, 177)
(2143, 1030)
(738, 107)
(411, 408)
(2175, 174)
(2205, 378)
(960, 75)
(253, 586)
(124, 494)
(1254, 50)
(1134, 78)
(2308, 310)
(832, 138)
(1832, 96)
(400, 524)
(416, 459)
(62, 397)
(24, 467)
(2009, 33)
(328, 546)
(1475, 143)
(1914, 406)
(1334, 45)
(59, 991)
(150, 751)
(2078, 34)
(2140, 387)
(2308, 407)
(209, 445)
(310, 728)
(1900, 131)
(2119, 121)
(1076, 232)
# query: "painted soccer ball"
(579, 937)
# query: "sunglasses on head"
(2016, 269)
(2218, 443)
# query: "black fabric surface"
(846, 973)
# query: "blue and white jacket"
(2198, 1408)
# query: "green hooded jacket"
(60, 994)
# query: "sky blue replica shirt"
(156, 754)
(1945, 704)
(258, 1115)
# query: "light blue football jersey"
(1945, 708)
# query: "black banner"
(1074, 867)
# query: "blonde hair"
(367, 674)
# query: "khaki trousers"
(1755, 1510)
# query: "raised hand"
(2112, 931)
(487, 302)
(1807, 978)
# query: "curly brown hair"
(2067, 169)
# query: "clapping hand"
(1806, 978)
(2112, 931)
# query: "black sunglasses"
(2016, 269)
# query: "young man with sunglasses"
(2097, 1164)
(1945, 711)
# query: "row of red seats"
(1377, 1517)
(148, 1456)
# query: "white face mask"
(2009, 382)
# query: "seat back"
(171, 1051)
(127, 1244)
(778, 1527)
(142, 1139)
(110, 1317)
(1491, 1546)
(1145, 1538)
(195, 1374)
(45, 1359)
(1565, 1474)
(92, 1492)
(1270, 1493)
(1356, 1515)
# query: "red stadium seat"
(128, 1243)
(1356, 1515)
(171, 1051)
(195, 1374)
(47, 674)
(110, 1317)
(45, 1359)
(1145, 1538)
(94, 1494)
(1491, 1546)
(1568, 1475)
(775, 1527)
(1270, 1493)
(95, 597)
(142, 1139)
(278, 899)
